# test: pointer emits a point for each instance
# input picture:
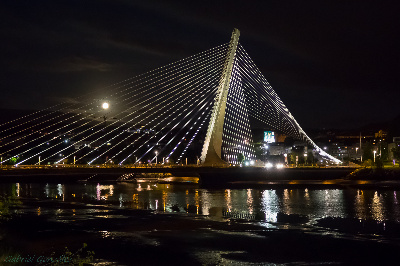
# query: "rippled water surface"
(253, 204)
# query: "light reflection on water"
(262, 204)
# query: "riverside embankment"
(216, 177)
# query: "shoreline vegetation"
(370, 173)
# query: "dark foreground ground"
(143, 237)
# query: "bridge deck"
(207, 175)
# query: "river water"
(342, 213)
(253, 204)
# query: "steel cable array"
(266, 106)
(161, 77)
(152, 94)
(158, 113)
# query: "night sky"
(335, 64)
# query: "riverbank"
(362, 178)
(246, 177)
(375, 174)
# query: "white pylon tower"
(211, 153)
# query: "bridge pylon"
(211, 153)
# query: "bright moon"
(105, 105)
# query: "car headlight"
(268, 165)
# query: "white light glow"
(268, 165)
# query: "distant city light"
(269, 136)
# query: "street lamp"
(357, 153)
(374, 155)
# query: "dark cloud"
(80, 64)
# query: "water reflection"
(249, 201)
(60, 190)
(360, 206)
(228, 199)
(243, 203)
(270, 207)
(377, 207)
(105, 190)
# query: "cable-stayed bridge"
(200, 108)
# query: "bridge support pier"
(211, 153)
